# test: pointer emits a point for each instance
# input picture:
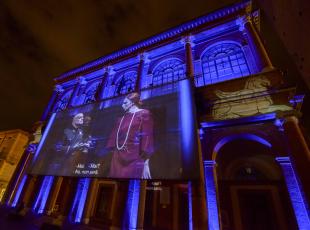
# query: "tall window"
(63, 101)
(168, 71)
(90, 94)
(125, 83)
(223, 62)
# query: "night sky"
(39, 40)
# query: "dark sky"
(41, 39)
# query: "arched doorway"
(251, 189)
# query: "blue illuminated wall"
(79, 200)
(43, 194)
(130, 220)
(211, 197)
(299, 203)
(19, 190)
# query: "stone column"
(299, 152)
(141, 210)
(295, 193)
(28, 191)
(211, 196)
(59, 90)
(143, 59)
(53, 195)
(90, 201)
(258, 49)
(190, 205)
(81, 82)
(189, 56)
(130, 219)
(102, 84)
(48, 109)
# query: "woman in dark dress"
(132, 141)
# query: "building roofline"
(168, 34)
(5, 132)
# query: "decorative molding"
(241, 21)
(81, 80)
(59, 88)
(145, 57)
(283, 160)
(209, 163)
(176, 31)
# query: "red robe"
(128, 162)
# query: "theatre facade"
(193, 128)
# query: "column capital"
(279, 123)
(209, 163)
(58, 88)
(144, 57)
(242, 20)
(188, 39)
(81, 80)
(110, 70)
(283, 160)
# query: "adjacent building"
(12, 146)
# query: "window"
(90, 94)
(125, 83)
(169, 71)
(223, 62)
(63, 101)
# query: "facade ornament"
(59, 88)
(188, 40)
(241, 21)
(31, 148)
(81, 80)
(144, 57)
(110, 70)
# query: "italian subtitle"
(156, 186)
(87, 169)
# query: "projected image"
(120, 138)
(131, 141)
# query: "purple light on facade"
(131, 212)
(246, 136)
(81, 203)
(79, 200)
(174, 32)
(43, 194)
(262, 117)
(190, 206)
(186, 117)
(210, 189)
(19, 190)
(298, 202)
(49, 124)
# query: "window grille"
(90, 94)
(63, 102)
(223, 62)
(125, 83)
(169, 71)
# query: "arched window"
(223, 62)
(168, 71)
(90, 94)
(63, 101)
(125, 83)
